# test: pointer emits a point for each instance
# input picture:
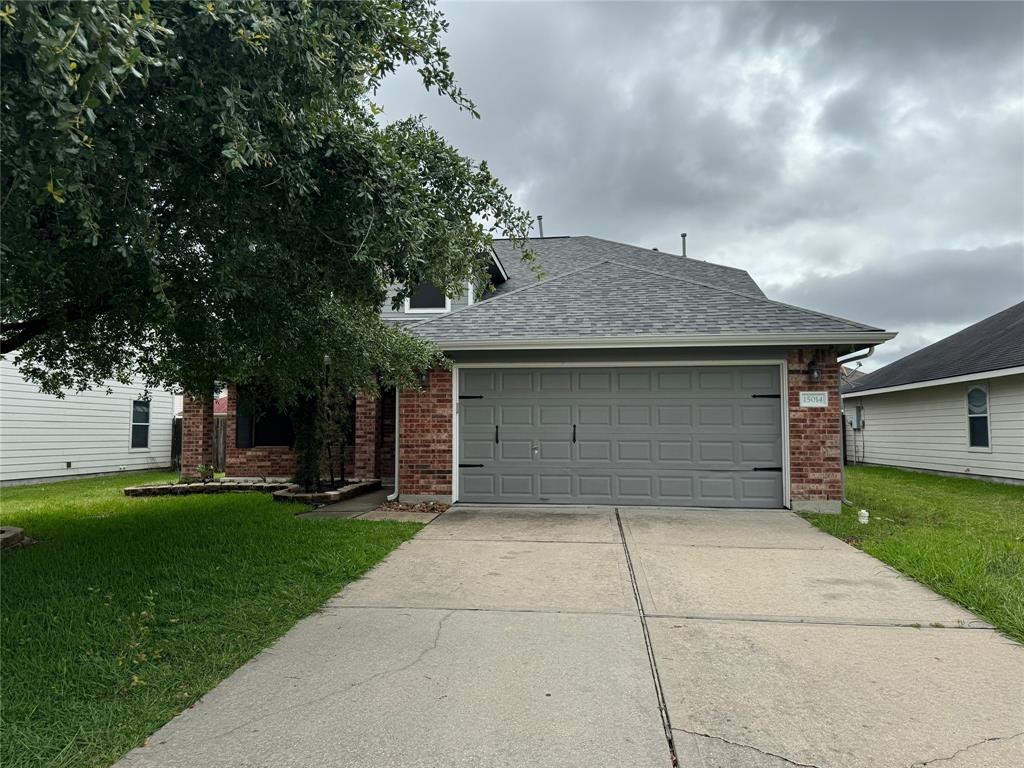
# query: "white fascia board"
(980, 376)
(644, 342)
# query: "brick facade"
(259, 461)
(196, 434)
(367, 438)
(425, 440)
(815, 434)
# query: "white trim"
(626, 363)
(147, 424)
(787, 500)
(455, 434)
(783, 365)
(646, 342)
(470, 294)
(498, 264)
(980, 376)
(447, 308)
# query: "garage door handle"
(767, 469)
(574, 433)
(495, 433)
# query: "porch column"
(196, 434)
(367, 438)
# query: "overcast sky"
(866, 160)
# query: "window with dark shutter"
(263, 426)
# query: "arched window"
(977, 416)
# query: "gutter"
(394, 496)
(866, 338)
(864, 354)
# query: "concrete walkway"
(584, 637)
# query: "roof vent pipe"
(684, 244)
(540, 225)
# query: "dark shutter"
(243, 421)
(427, 296)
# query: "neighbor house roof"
(626, 298)
(996, 343)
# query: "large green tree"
(204, 190)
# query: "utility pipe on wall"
(394, 495)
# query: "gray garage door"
(688, 436)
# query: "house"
(621, 375)
(955, 407)
(43, 437)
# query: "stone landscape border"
(280, 491)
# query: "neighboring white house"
(92, 432)
(954, 407)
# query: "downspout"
(864, 354)
(394, 496)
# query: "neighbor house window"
(427, 297)
(977, 416)
(140, 423)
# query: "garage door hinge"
(775, 396)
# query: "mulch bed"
(427, 507)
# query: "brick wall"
(367, 438)
(815, 434)
(260, 461)
(425, 439)
(196, 434)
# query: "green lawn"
(127, 610)
(963, 538)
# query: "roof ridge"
(499, 296)
(863, 326)
(667, 253)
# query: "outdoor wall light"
(424, 378)
(813, 372)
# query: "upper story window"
(427, 298)
(140, 423)
(977, 416)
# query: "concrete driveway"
(624, 638)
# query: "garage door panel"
(657, 435)
(634, 450)
(675, 450)
(473, 450)
(594, 450)
(715, 416)
(633, 415)
(554, 450)
(515, 450)
(516, 415)
(556, 485)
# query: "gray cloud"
(822, 146)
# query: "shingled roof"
(626, 299)
(995, 343)
(558, 255)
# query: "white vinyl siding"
(927, 429)
(40, 434)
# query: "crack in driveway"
(358, 683)
(745, 746)
(966, 749)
